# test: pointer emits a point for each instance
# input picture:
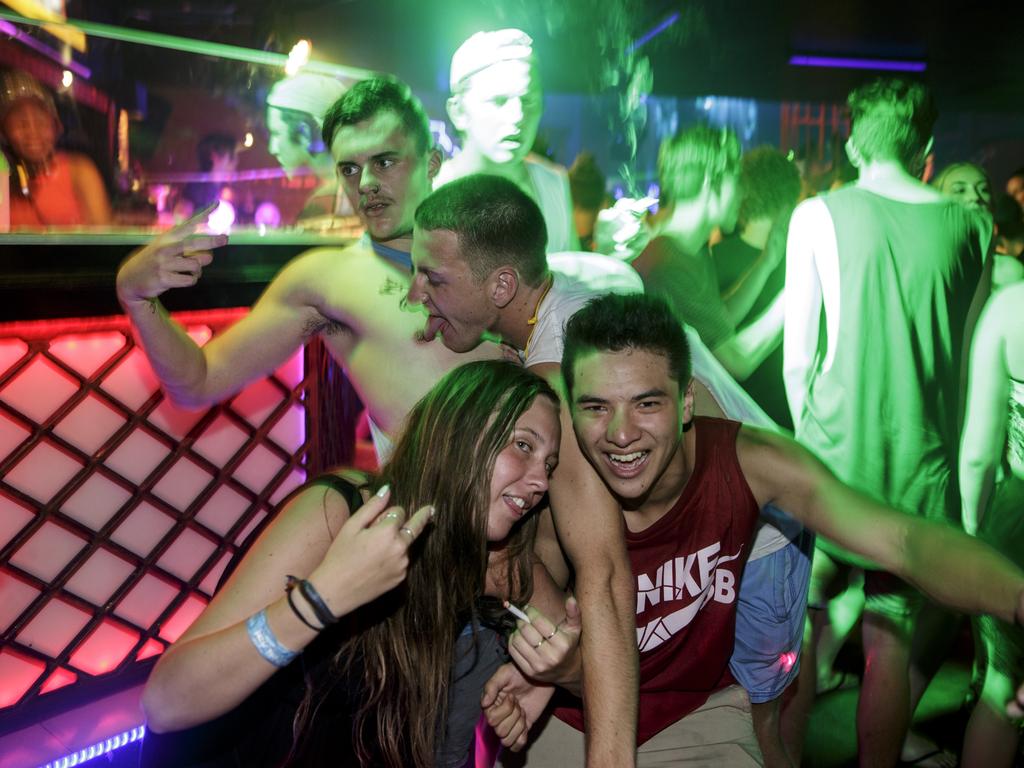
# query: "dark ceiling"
(727, 47)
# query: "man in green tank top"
(874, 388)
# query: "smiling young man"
(689, 491)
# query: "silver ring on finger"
(553, 633)
(393, 515)
(408, 531)
(538, 645)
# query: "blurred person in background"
(698, 170)
(1009, 221)
(884, 279)
(50, 186)
(992, 494)
(295, 112)
(496, 106)
(751, 275)
(969, 184)
(1015, 186)
(218, 160)
(587, 184)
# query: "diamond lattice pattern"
(118, 510)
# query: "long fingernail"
(432, 511)
(383, 490)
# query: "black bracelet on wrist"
(290, 590)
(323, 613)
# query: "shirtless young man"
(351, 297)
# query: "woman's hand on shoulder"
(370, 554)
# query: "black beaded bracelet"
(323, 613)
(290, 590)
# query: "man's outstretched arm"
(279, 323)
(743, 352)
(951, 567)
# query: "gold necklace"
(532, 322)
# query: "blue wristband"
(266, 644)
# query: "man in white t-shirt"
(496, 106)
(480, 271)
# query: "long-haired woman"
(376, 601)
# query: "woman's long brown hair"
(404, 651)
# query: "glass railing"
(113, 129)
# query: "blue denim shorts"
(770, 620)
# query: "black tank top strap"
(342, 485)
(348, 489)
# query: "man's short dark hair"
(769, 184)
(496, 222)
(697, 153)
(615, 322)
(368, 98)
(891, 119)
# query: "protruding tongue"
(433, 327)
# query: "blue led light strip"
(100, 748)
(839, 62)
(652, 33)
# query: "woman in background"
(969, 184)
(49, 186)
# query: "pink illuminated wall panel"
(119, 511)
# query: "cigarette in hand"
(517, 612)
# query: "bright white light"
(298, 57)
(66, 79)
(222, 218)
(267, 215)
(248, 140)
(440, 131)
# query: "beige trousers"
(718, 734)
